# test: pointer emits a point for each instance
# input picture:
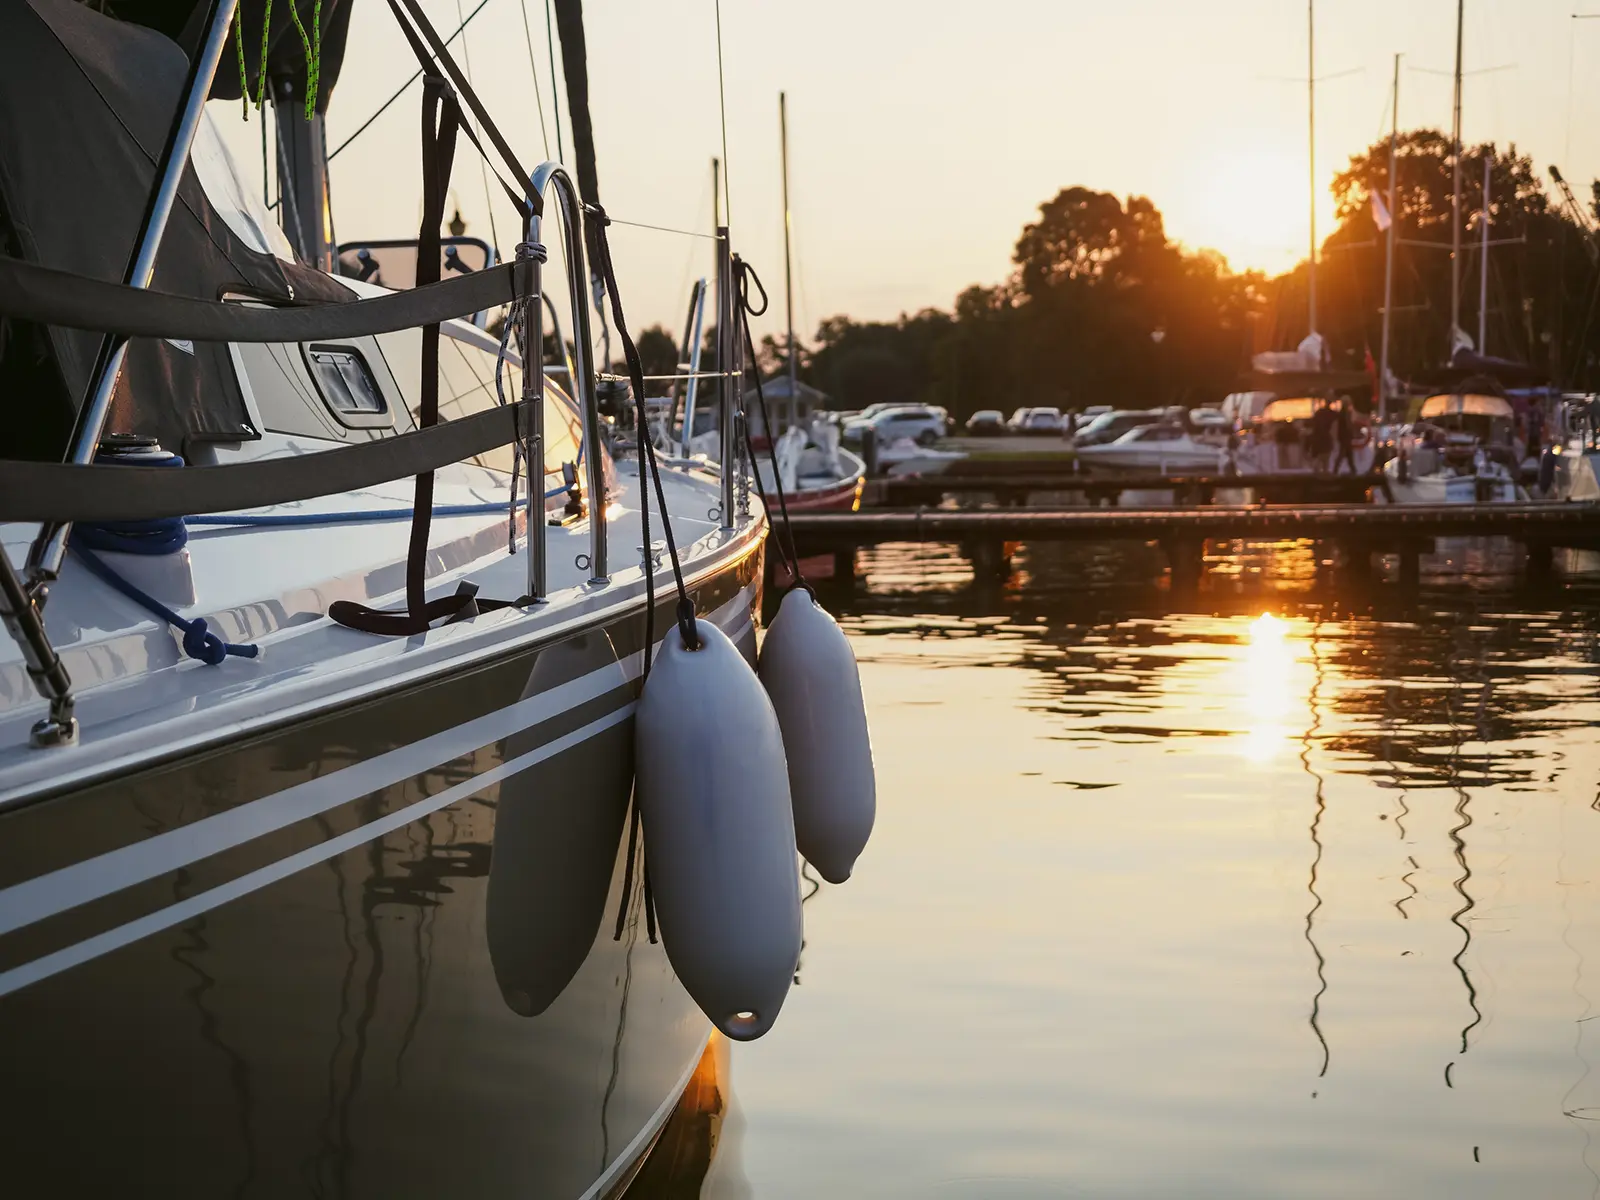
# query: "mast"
(788, 266)
(1483, 267)
(1311, 156)
(1455, 192)
(1388, 257)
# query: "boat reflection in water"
(1283, 888)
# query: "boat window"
(348, 387)
(466, 386)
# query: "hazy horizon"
(919, 148)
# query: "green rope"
(261, 77)
(313, 47)
(313, 53)
(244, 81)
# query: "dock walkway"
(1358, 529)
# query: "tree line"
(1102, 307)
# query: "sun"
(1250, 204)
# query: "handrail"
(531, 255)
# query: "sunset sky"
(924, 135)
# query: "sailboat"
(1464, 447)
(817, 474)
(314, 864)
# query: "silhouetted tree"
(659, 354)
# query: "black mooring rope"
(746, 275)
(596, 217)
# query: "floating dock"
(1015, 486)
(1359, 530)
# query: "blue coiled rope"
(198, 641)
(166, 535)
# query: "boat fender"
(713, 789)
(810, 675)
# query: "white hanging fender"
(719, 831)
(810, 674)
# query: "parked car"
(1042, 422)
(1108, 427)
(986, 422)
(1089, 414)
(867, 413)
(919, 422)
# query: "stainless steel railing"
(547, 178)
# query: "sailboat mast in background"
(1311, 156)
(1455, 192)
(1388, 257)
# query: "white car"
(919, 422)
(1042, 422)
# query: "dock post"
(1355, 557)
(1541, 562)
(1410, 565)
(1186, 560)
(989, 559)
(844, 566)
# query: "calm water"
(1206, 903)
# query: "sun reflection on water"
(1268, 670)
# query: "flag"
(1380, 213)
(1371, 368)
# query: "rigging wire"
(555, 96)
(483, 162)
(533, 71)
(384, 107)
(722, 106)
(710, 237)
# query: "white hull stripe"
(184, 910)
(633, 1149)
(58, 891)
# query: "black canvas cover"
(184, 22)
(86, 102)
(1467, 364)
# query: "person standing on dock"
(1345, 435)
(1319, 445)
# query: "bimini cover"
(1466, 406)
(86, 102)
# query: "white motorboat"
(1165, 449)
(904, 457)
(316, 874)
(1463, 449)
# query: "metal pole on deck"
(50, 547)
(725, 365)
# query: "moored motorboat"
(1463, 449)
(818, 474)
(1163, 448)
